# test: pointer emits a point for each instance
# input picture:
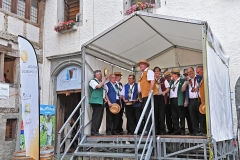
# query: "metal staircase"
(115, 146)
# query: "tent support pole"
(205, 78)
(82, 108)
(155, 30)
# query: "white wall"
(97, 17)
(223, 18)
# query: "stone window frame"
(61, 8)
(11, 135)
(28, 9)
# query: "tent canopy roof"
(145, 36)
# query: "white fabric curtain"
(219, 90)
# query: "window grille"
(6, 5)
(21, 8)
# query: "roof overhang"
(145, 36)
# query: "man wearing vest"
(97, 94)
(162, 87)
(113, 96)
(118, 77)
(186, 104)
(132, 104)
(147, 83)
(176, 102)
(167, 76)
(193, 87)
(199, 76)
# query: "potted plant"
(65, 26)
(148, 7)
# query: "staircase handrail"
(149, 139)
(64, 125)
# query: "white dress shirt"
(94, 84)
(150, 77)
(193, 95)
(160, 88)
(173, 94)
(123, 91)
(106, 89)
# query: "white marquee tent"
(158, 39)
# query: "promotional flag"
(29, 79)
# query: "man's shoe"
(121, 132)
(108, 133)
(175, 133)
(130, 134)
(182, 133)
(169, 132)
(145, 133)
(96, 134)
(114, 133)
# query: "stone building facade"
(23, 18)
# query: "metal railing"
(81, 129)
(150, 142)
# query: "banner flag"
(29, 78)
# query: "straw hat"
(143, 61)
(166, 74)
(117, 73)
(202, 108)
(115, 109)
(106, 72)
(175, 70)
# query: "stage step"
(105, 154)
(116, 138)
(110, 145)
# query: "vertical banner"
(29, 79)
(47, 130)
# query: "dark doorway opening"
(66, 103)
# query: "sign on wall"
(4, 91)
(69, 78)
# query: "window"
(9, 69)
(6, 4)
(10, 129)
(71, 9)
(21, 8)
(34, 11)
(24, 8)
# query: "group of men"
(175, 98)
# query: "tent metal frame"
(219, 150)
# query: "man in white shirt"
(176, 102)
(162, 86)
(132, 105)
(147, 83)
(118, 77)
(193, 89)
(112, 96)
(96, 101)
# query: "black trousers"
(120, 122)
(168, 117)
(133, 115)
(147, 113)
(203, 127)
(177, 113)
(194, 114)
(159, 113)
(112, 120)
(96, 117)
(188, 118)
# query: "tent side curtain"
(219, 92)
